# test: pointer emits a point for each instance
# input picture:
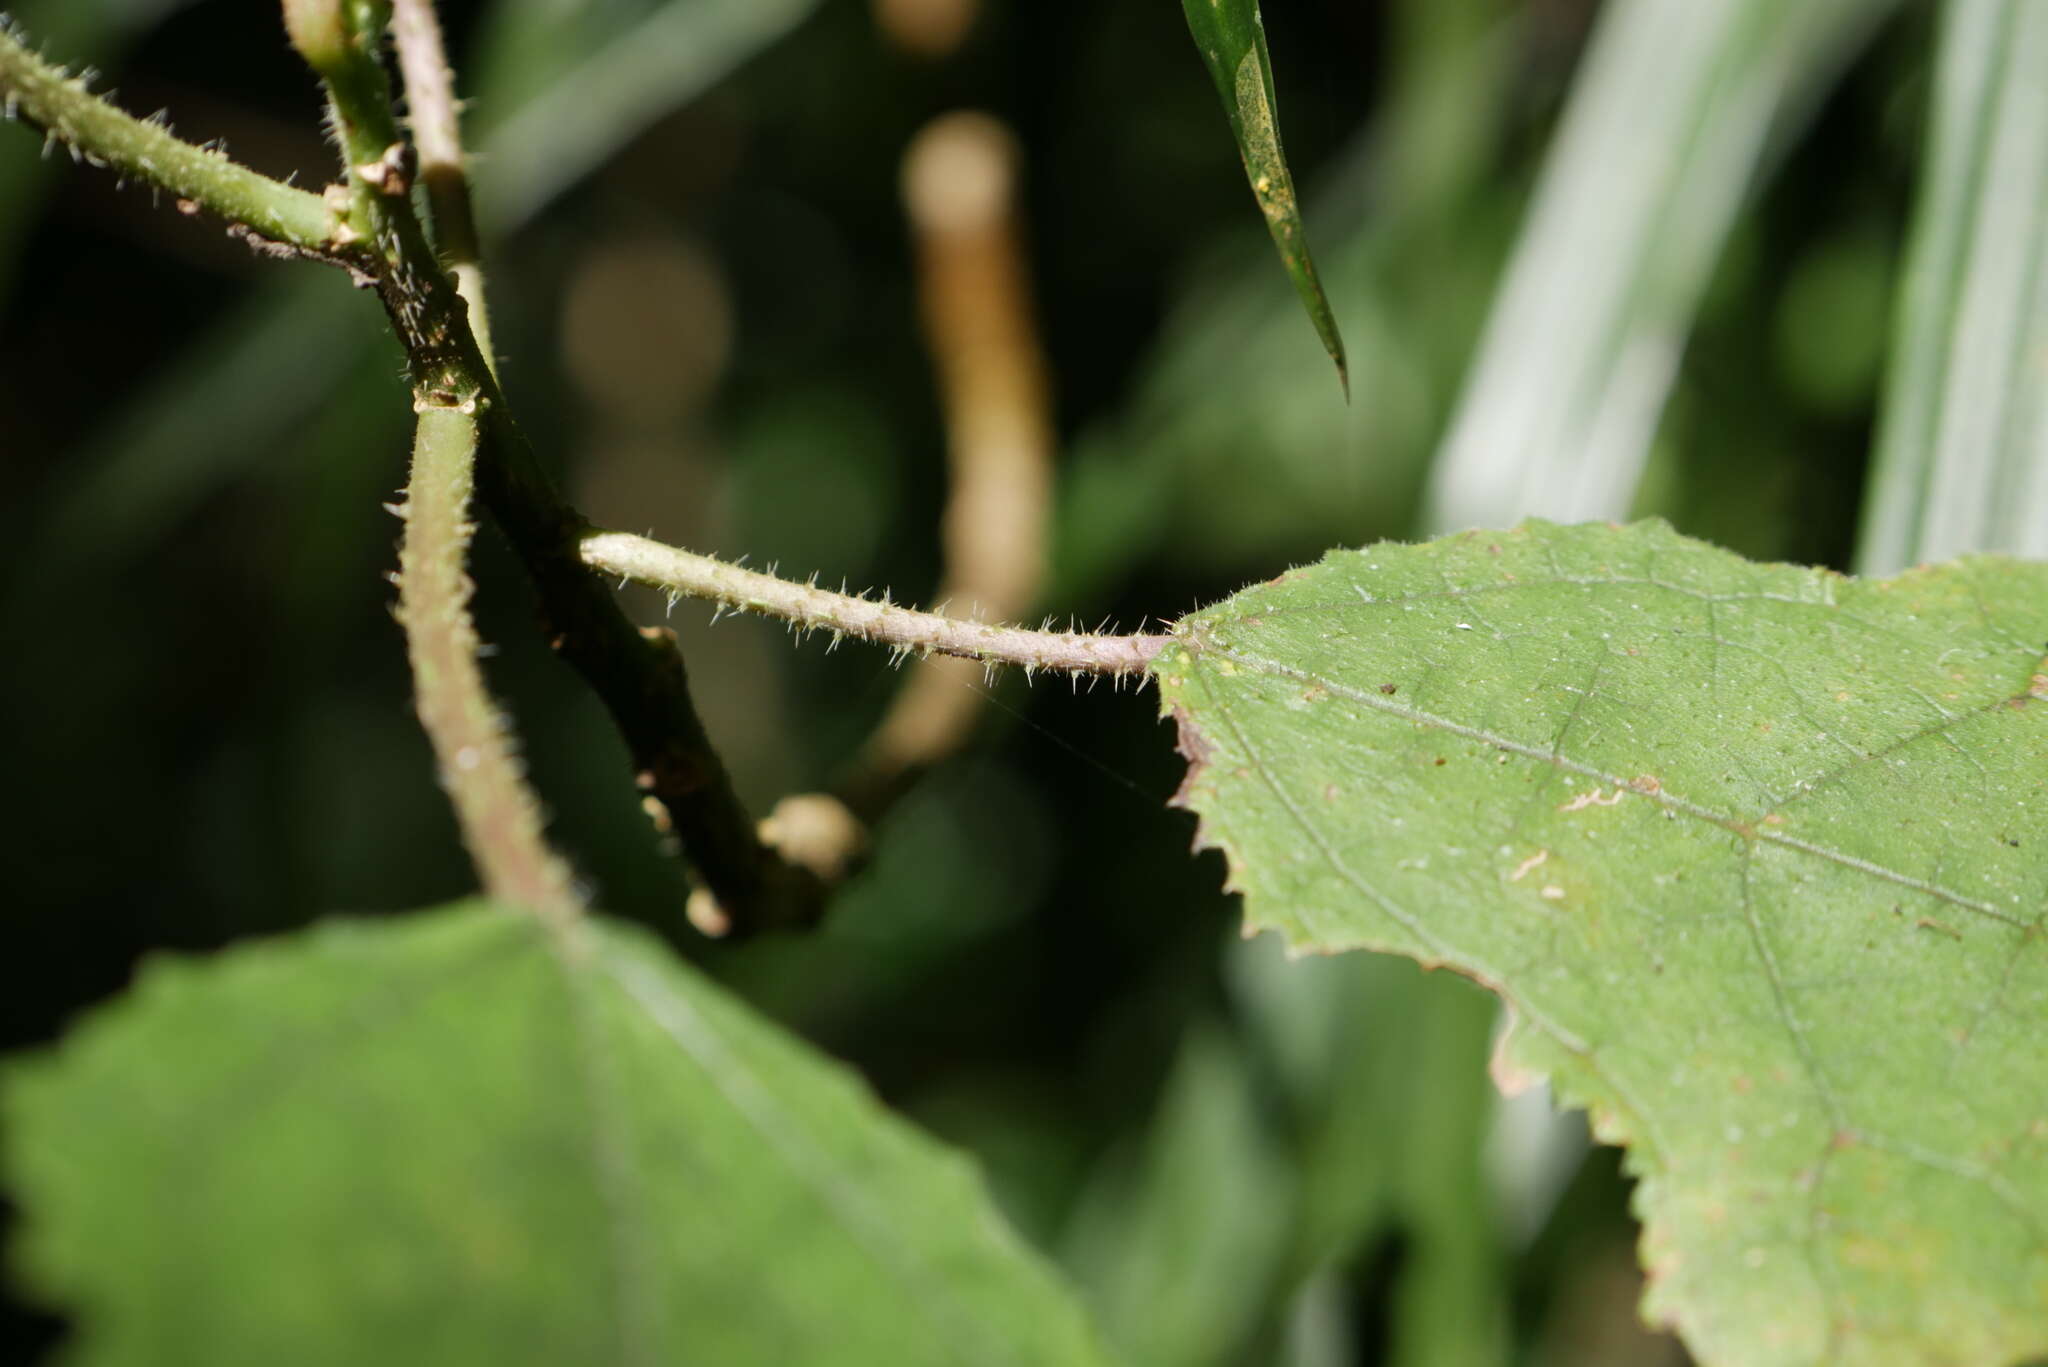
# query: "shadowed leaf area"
(457, 1139)
(1757, 855)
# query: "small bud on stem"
(324, 31)
(317, 30)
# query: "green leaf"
(1232, 38)
(1757, 854)
(458, 1139)
(1962, 460)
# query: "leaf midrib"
(700, 1040)
(1751, 830)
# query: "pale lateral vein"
(1493, 979)
(1670, 801)
(844, 1194)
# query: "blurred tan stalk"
(928, 28)
(959, 188)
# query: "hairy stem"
(638, 675)
(437, 133)
(497, 811)
(137, 149)
(443, 359)
(687, 574)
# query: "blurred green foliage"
(210, 726)
(452, 1142)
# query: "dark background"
(207, 725)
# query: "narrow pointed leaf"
(461, 1138)
(1232, 39)
(1757, 854)
(1962, 461)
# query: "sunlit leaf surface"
(1757, 854)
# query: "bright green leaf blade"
(1757, 854)
(1232, 39)
(455, 1139)
(1668, 124)
(1962, 462)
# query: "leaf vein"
(1662, 797)
(844, 1195)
